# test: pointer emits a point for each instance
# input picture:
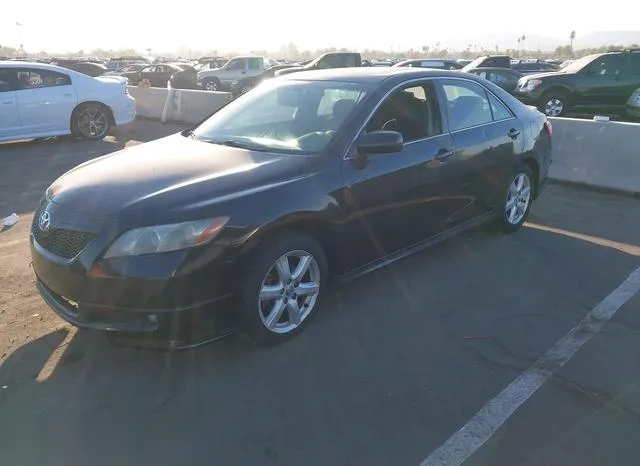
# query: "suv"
(327, 61)
(222, 79)
(489, 61)
(596, 82)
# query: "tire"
(90, 121)
(511, 220)
(267, 320)
(211, 85)
(554, 103)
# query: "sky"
(245, 25)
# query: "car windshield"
(579, 64)
(286, 116)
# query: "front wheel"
(554, 103)
(211, 85)
(517, 200)
(280, 288)
(90, 121)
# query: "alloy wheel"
(211, 86)
(289, 291)
(93, 122)
(554, 107)
(518, 199)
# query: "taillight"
(548, 128)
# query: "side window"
(634, 63)
(338, 103)
(148, 69)
(607, 65)
(499, 111)
(236, 65)
(467, 105)
(7, 80)
(351, 61)
(498, 78)
(412, 111)
(160, 69)
(255, 63)
(31, 79)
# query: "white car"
(39, 100)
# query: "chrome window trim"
(425, 79)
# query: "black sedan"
(244, 220)
(158, 75)
(505, 78)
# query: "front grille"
(60, 241)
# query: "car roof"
(370, 74)
(494, 68)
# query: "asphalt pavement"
(389, 370)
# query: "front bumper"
(163, 309)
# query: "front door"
(399, 199)
(45, 100)
(235, 70)
(599, 83)
(10, 124)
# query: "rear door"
(486, 135)
(45, 100)
(10, 124)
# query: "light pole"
(19, 33)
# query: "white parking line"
(488, 420)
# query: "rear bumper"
(125, 111)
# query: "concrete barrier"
(149, 101)
(177, 104)
(598, 154)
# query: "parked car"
(132, 69)
(505, 78)
(532, 67)
(633, 105)
(41, 100)
(116, 63)
(220, 79)
(246, 84)
(249, 214)
(158, 75)
(327, 61)
(489, 61)
(436, 64)
(188, 77)
(88, 68)
(600, 82)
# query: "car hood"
(171, 176)
(548, 74)
(293, 69)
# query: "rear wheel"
(281, 288)
(91, 121)
(517, 200)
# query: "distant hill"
(534, 41)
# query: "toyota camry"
(243, 221)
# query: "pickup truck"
(601, 82)
(327, 61)
(222, 79)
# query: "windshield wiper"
(190, 134)
(238, 144)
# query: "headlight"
(233, 84)
(165, 238)
(529, 84)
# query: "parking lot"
(394, 365)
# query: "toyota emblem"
(45, 221)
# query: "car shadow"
(387, 348)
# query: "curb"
(595, 188)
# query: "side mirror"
(380, 142)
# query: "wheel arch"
(313, 225)
(534, 166)
(112, 120)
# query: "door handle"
(514, 133)
(67, 95)
(444, 154)
(7, 102)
